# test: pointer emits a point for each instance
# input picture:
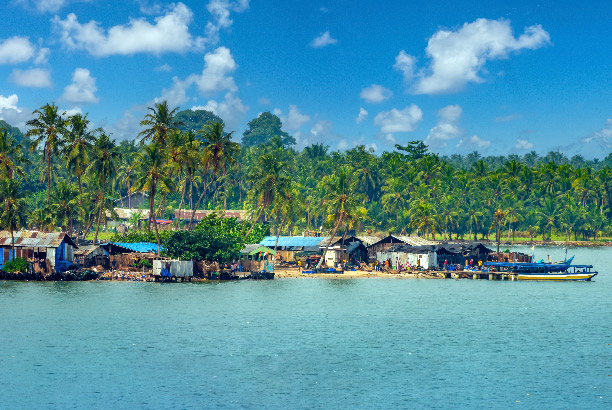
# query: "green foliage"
(16, 265)
(263, 128)
(194, 121)
(414, 150)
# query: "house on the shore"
(389, 241)
(133, 200)
(254, 256)
(55, 247)
(424, 256)
(289, 247)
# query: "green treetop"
(263, 128)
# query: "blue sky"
(501, 77)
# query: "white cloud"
(11, 113)
(164, 67)
(474, 143)
(396, 120)
(294, 120)
(169, 33)
(264, 101)
(523, 145)
(390, 138)
(405, 63)
(215, 75)
(375, 94)
(35, 77)
(323, 40)
(175, 95)
(362, 115)
(127, 127)
(459, 56)
(447, 127)
(220, 11)
(82, 89)
(44, 6)
(42, 56)
(16, 50)
(68, 112)
(231, 109)
(603, 137)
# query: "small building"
(289, 246)
(125, 214)
(254, 256)
(55, 247)
(462, 253)
(123, 255)
(425, 256)
(133, 200)
(389, 241)
(173, 269)
(185, 214)
(90, 255)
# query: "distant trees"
(263, 128)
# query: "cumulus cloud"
(457, 57)
(294, 120)
(82, 89)
(362, 115)
(169, 33)
(35, 77)
(323, 40)
(523, 145)
(447, 127)
(215, 75)
(602, 138)
(43, 6)
(215, 78)
(220, 11)
(396, 120)
(11, 112)
(16, 50)
(230, 109)
(69, 112)
(127, 127)
(375, 94)
(474, 143)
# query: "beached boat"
(544, 271)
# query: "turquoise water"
(310, 343)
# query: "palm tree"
(103, 167)
(151, 173)
(498, 219)
(158, 122)
(48, 127)
(64, 206)
(341, 200)
(13, 207)
(11, 155)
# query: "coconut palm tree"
(159, 121)
(13, 207)
(103, 167)
(64, 206)
(48, 127)
(11, 156)
(151, 173)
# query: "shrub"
(16, 265)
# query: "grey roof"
(293, 241)
(35, 239)
(409, 240)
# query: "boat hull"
(555, 276)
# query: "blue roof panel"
(292, 241)
(142, 247)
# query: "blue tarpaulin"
(142, 247)
(298, 241)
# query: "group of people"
(469, 265)
(387, 264)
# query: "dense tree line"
(61, 174)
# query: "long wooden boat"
(544, 271)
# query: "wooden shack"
(254, 256)
(55, 247)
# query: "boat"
(563, 270)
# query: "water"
(310, 343)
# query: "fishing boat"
(563, 270)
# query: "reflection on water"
(306, 343)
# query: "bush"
(16, 265)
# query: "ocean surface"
(310, 343)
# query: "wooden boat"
(544, 271)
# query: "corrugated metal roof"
(410, 240)
(298, 241)
(35, 239)
(141, 247)
(369, 240)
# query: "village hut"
(353, 248)
(424, 256)
(289, 246)
(123, 255)
(253, 257)
(89, 255)
(463, 253)
(52, 251)
(389, 241)
(133, 200)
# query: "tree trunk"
(100, 212)
(49, 174)
(330, 240)
(12, 243)
(278, 234)
(178, 219)
(253, 224)
(196, 207)
(155, 221)
(80, 206)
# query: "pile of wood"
(128, 260)
(204, 267)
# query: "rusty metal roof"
(35, 239)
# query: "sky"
(500, 77)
